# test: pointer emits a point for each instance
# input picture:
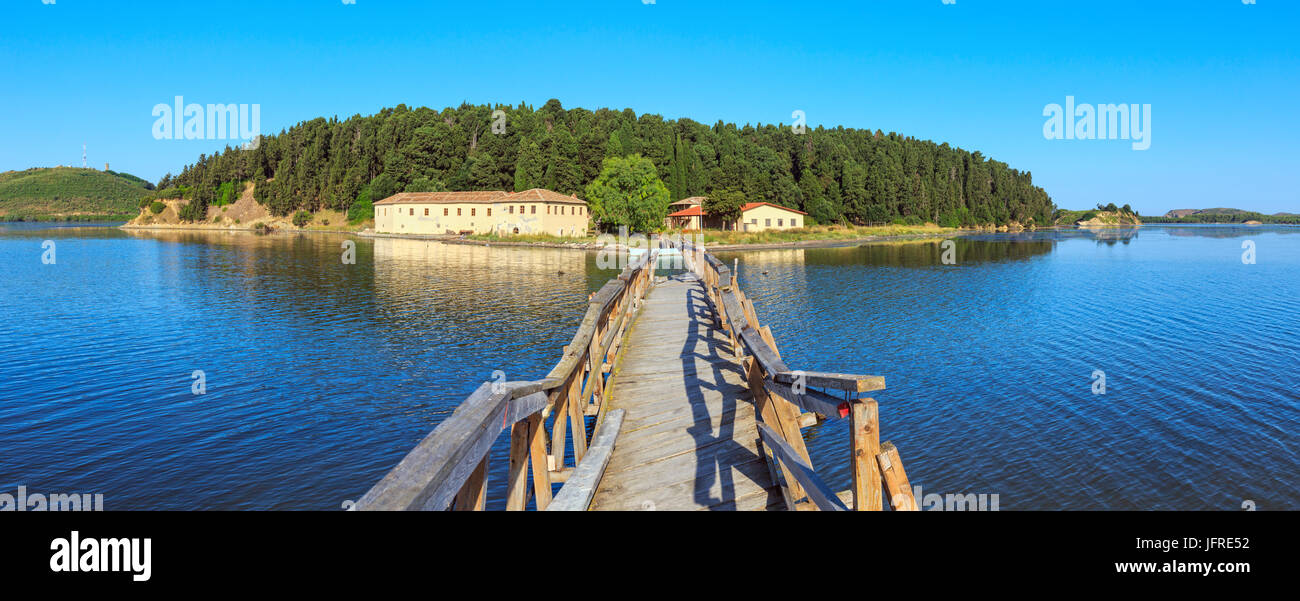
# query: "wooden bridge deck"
(678, 424)
(690, 437)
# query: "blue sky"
(1222, 77)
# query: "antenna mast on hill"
(83, 156)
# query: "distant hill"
(70, 193)
(1222, 215)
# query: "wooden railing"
(788, 400)
(448, 469)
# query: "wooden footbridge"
(692, 406)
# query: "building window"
(548, 209)
(458, 211)
(780, 222)
(753, 221)
(521, 209)
(794, 223)
(534, 211)
(512, 209)
(412, 211)
(426, 211)
(472, 211)
(489, 212)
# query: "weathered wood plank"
(818, 492)
(900, 491)
(577, 492)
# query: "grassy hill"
(70, 193)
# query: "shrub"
(301, 218)
(362, 209)
(157, 207)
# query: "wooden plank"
(819, 379)
(767, 358)
(865, 435)
(814, 401)
(818, 492)
(577, 492)
(792, 491)
(525, 407)
(900, 491)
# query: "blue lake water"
(320, 376)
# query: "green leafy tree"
(382, 187)
(725, 206)
(362, 208)
(628, 192)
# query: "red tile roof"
(488, 196)
(694, 200)
(754, 205)
(544, 195)
(695, 211)
(443, 197)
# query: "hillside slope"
(70, 193)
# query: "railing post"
(577, 414)
(865, 431)
(517, 482)
(559, 427)
(537, 451)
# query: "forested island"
(1102, 216)
(837, 176)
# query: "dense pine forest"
(835, 175)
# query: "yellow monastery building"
(535, 211)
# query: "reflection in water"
(913, 253)
(321, 376)
(989, 362)
(1229, 231)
